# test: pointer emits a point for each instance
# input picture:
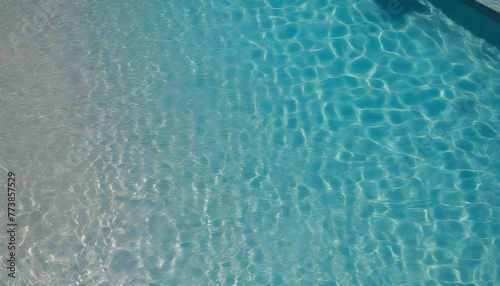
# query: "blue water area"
(263, 142)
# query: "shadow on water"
(477, 23)
(399, 8)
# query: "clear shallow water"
(251, 143)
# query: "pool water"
(256, 142)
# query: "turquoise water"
(250, 143)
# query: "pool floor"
(285, 142)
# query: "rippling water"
(250, 142)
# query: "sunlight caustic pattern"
(252, 143)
